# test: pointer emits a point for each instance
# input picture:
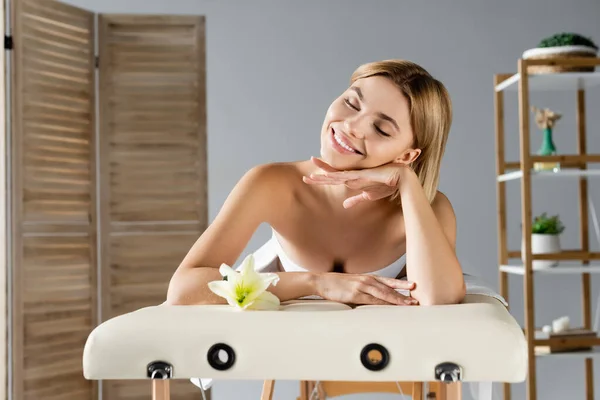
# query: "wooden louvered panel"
(4, 264)
(54, 243)
(150, 255)
(152, 163)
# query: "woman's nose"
(353, 128)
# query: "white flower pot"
(543, 244)
(558, 50)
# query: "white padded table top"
(312, 340)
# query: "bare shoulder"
(270, 177)
(270, 186)
(441, 204)
(442, 207)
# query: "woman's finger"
(401, 284)
(357, 174)
(323, 165)
(395, 283)
(354, 200)
(377, 289)
(377, 195)
(361, 184)
(367, 195)
(365, 298)
(317, 181)
(325, 178)
(392, 293)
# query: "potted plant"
(545, 238)
(562, 45)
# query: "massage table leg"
(437, 391)
(268, 389)
(417, 391)
(160, 372)
(160, 389)
(450, 391)
(304, 390)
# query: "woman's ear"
(408, 157)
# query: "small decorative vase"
(542, 243)
(547, 149)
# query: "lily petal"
(264, 280)
(270, 278)
(226, 270)
(232, 275)
(266, 301)
(224, 289)
(258, 284)
(247, 266)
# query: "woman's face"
(368, 126)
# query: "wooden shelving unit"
(573, 166)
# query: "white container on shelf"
(542, 243)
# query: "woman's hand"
(363, 289)
(374, 183)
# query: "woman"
(360, 218)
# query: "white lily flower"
(247, 289)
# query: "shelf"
(563, 173)
(562, 268)
(565, 255)
(553, 81)
(576, 167)
(595, 352)
(565, 160)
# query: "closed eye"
(347, 101)
(378, 129)
(375, 126)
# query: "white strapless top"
(266, 257)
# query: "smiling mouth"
(338, 138)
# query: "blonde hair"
(430, 111)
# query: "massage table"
(311, 341)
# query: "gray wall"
(274, 67)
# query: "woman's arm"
(189, 286)
(251, 202)
(430, 228)
(431, 260)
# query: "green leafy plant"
(547, 225)
(567, 39)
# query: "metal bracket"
(378, 363)
(214, 359)
(448, 372)
(8, 42)
(159, 370)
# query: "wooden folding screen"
(54, 219)
(151, 164)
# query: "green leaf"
(547, 225)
